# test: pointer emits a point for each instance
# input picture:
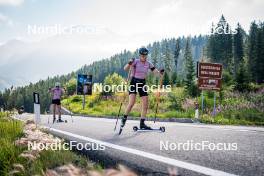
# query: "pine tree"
(260, 55)
(2, 100)
(228, 48)
(242, 78)
(155, 58)
(219, 46)
(177, 53)
(252, 53)
(155, 54)
(176, 57)
(167, 59)
(166, 79)
(174, 78)
(238, 47)
(190, 72)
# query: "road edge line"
(173, 162)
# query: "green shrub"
(175, 102)
(227, 78)
(76, 99)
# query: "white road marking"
(170, 161)
(244, 130)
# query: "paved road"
(145, 152)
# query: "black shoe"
(54, 119)
(60, 120)
(143, 126)
(123, 121)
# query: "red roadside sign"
(209, 70)
(209, 84)
(209, 75)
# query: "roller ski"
(62, 121)
(123, 122)
(161, 129)
(144, 127)
(59, 120)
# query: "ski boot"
(143, 126)
(60, 120)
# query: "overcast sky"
(131, 23)
(153, 18)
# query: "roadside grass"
(11, 130)
(232, 107)
(225, 121)
(49, 159)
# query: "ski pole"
(158, 95)
(48, 119)
(128, 76)
(118, 115)
(49, 103)
(48, 116)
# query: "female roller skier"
(56, 92)
(140, 68)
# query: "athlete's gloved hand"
(162, 71)
(131, 61)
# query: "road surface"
(241, 150)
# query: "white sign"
(37, 113)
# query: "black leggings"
(136, 85)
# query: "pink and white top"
(57, 93)
(140, 69)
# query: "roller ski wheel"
(162, 129)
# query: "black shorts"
(137, 85)
(56, 101)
